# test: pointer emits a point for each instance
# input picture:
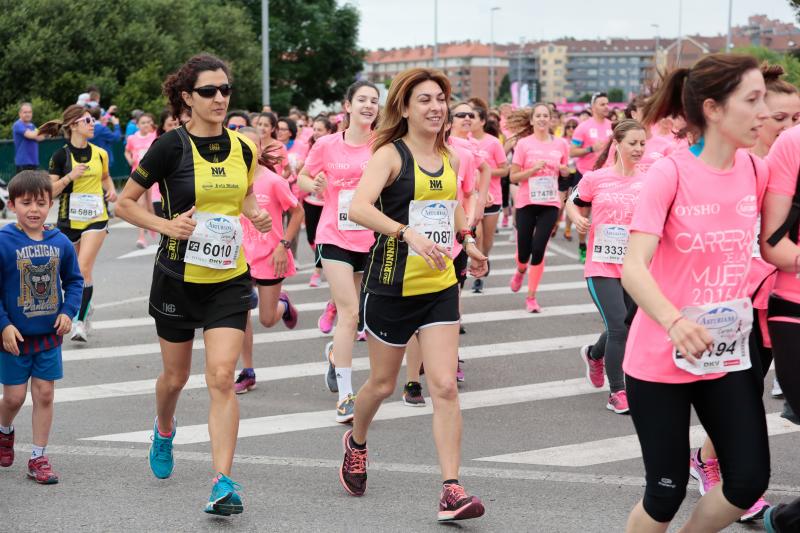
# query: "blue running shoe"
(161, 459)
(224, 500)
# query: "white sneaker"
(777, 392)
(78, 332)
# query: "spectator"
(26, 140)
(131, 127)
(105, 136)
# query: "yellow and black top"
(392, 271)
(85, 191)
(211, 173)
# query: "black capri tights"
(313, 213)
(732, 413)
(534, 225)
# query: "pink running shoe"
(459, 372)
(618, 402)
(516, 280)
(244, 383)
(595, 369)
(290, 315)
(325, 321)
(755, 512)
(707, 474)
(532, 306)
(314, 281)
(362, 336)
(456, 504)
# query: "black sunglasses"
(210, 91)
(464, 114)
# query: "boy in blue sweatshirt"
(40, 289)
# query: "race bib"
(84, 207)
(729, 323)
(543, 189)
(344, 223)
(610, 244)
(435, 219)
(215, 242)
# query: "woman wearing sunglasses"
(79, 171)
(201, 280)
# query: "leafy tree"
(615, 95)
(313, 49)
(585, 97)
(789, 62)
(504, 91)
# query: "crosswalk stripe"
(615, 449)
(290, 422)
(110, 352)
(300, 370)
(319, 306)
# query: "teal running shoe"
(161, 459)
(224, 500)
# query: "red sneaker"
(41, 472)
(290, 315)
(595, 368)
(456, 504)
(353, 474)
(6, 449)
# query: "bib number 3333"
(215, 242)
(729, 324)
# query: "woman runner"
(411, 284)
(312, 204)
(200, 280)
(136, 146)
(79, 171)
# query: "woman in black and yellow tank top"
(407, 195)
(200, 280)
(79, 171)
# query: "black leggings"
(613, 303)
(534, 225)
(732, 413)
(505, 188)
(313, 212)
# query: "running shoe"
(477, 286)
(325, 321)
(595, 368)
(456, 504)
(244, 383)
(582, 255)
(459, 372)
(531, 305)
(461, 330)
(707, 474)
(506, 221)
(353, 474)
(330, 375)
(290, 315)
(777, 392)
(362, 336)
(345, 409)
(141, 243)
(6, 449)
(224, 499)
(769, 525)
(315, 279)
(516, 280)
(789, 414)
(162, 460)
(412, 394)
(41, 472)
(79, 333)
(568, 233)
(756, 511)
(618, 402)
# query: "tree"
(616, 95)
(313, 49)
(585, 97)
(789, 62)
(504, 91)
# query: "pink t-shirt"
(468, 162)
(138, 145)
(705, 247)
(655, 148)
(492, 152)
(784, 161)
(614, 199)
(586, 134)
(343, 165)
(273, 194)
(528, 152)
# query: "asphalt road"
(539, 446)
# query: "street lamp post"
(658, 45)
(435, 33)
(730, 16)
(265, 52)
(491, 60)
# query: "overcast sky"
(391, 23)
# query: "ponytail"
(51, 128)
(667, 100)
(270, 157)
(603, 157)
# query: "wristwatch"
(285, 243)
(589, 149)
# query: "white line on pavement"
(274, 373)
(614, 449)
(286, 423)
(110, 352)
(561, 250)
